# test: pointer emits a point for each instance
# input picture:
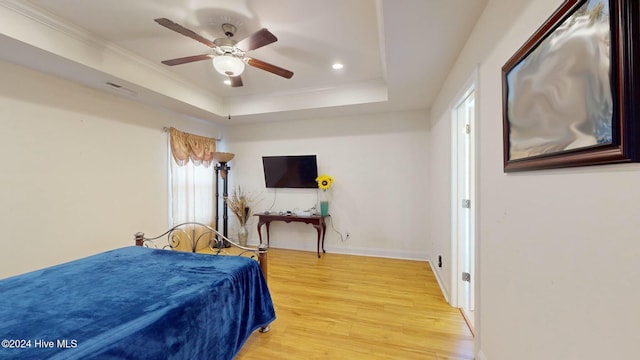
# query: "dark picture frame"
(564, 103)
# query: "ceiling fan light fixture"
(228, 65)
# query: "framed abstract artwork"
(570, 94)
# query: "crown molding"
(32, 15)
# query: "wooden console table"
(317, 221)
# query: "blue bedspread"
(134, 303)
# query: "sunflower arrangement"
(324, 181)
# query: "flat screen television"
(294, 171)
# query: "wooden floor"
(354, 307)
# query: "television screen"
(296, 171)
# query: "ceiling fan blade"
(236, 81)
(270, 68)
(188, 59)
(184, 31)
(256, 40)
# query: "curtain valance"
(185, 147)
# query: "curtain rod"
(166, 129)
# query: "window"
(192, 178)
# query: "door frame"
(457, 287)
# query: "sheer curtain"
(192, 178)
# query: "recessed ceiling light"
(337, 66)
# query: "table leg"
(319, 230)
(260, 232)
(324, 231)
(268, 237)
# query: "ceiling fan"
(229, 56)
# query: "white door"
(464, 243)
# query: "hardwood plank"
(356, 307)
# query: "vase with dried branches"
(240, 205)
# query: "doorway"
(463, 167)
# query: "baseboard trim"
(383, 253)
(443, 289)
(468, 321)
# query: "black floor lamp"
(223, 169)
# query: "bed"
(139, 302)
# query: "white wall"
(440, 198)
(496, 18)
(82, 170)
(380, 191)
(557, 249)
